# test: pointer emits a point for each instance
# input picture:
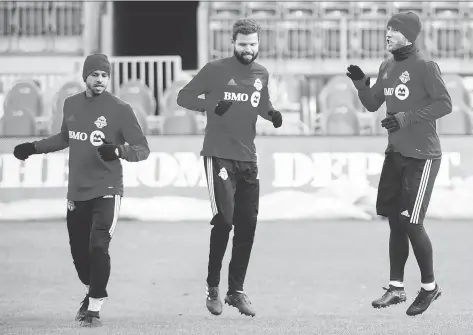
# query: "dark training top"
(85, 122)
(415, 93)
(230, 136)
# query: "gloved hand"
(355, 73)
(276, 118)
(222, 107)
(108, 151)
(390, 123)
(24, 150)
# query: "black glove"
(108, 151)
(276, 118)
(222, 107)
(355, 73)
(24, 150)
(390, 123)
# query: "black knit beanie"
(407, 23)
(95, 62)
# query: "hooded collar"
(404, 52)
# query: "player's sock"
(397, 284)
(95, 304)
(428, 286)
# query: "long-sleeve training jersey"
(85, 122)
(231, 135)
(416, 95)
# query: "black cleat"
(423, 300)
(91, 320)
(241, 301)
(213, 302)
(393, 296)
(83, 309)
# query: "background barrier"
(300, 177)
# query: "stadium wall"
(301, 178)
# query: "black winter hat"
(407, 23)
(95, 62)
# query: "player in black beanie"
(415, 95)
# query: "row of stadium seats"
(323, 9)
(316, 105)
(335, 30)
(45, 26)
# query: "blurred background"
(156, 47)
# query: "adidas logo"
(232, 82)
(406, 213)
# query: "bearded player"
(236, 92)
(415, 97)
(95, 127)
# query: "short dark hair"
(245, 27)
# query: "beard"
(95, 91)
(242, 59)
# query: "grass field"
(304, 278)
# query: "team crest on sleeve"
(405, 77)
(101, 122)
(258, 84)
(223, 174)
(71, 205)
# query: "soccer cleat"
(83, 309)
(213, 302)
(91, 319)
(394, 295)
(241, 301)
(423, 300)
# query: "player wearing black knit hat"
(415, 97)
(95, 127)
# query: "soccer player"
(415, 97)
(236, 92)
(95, 127)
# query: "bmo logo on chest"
(232, 96)
(95, 137)
(243, 97)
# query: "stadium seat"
(269, 15)
(18, 122)
(418, 7)
(169, 100)
(141, 99)
(298, 29)
(380, 9)
(25, 94)
(137, 93)
(226, 10)
(180, 122)
(458, 122)
(68, 89)
(447, 9)
(286, 92)
(336, 8)
(448, 36)
(341, 120)
(339, 89)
